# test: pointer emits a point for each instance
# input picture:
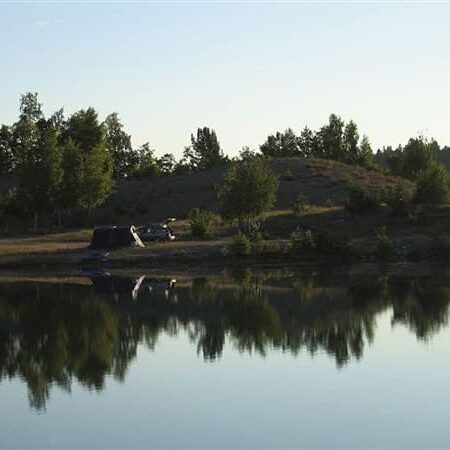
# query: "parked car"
(155, 233)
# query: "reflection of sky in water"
(396, 395)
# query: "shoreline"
(188, 254)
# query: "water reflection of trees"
(51, 334)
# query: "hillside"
(323, 181)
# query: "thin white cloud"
(43, 23)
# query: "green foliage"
(40, 174)
(240, 246)
(205, 151)
(145, 164)
(84, 128)
(268, 248)
(383, 243)
(301, 204)
(336, 140)
(166, 164)
(397, 199)
(73, 175)
(202, 223)
(247, 193)
(118, 144)
(301, 241)
(433, 186)
(7, 158)
(281, 145)
(362, 200)
(408, 162)
(97, 177)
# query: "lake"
(238, 358)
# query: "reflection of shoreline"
(52, 333)
(184, 273)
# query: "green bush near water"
(202, 223)
(241, 246)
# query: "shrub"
(383, 243)
(397, 199)
(202, 223)
(267, 248)
(433, 186)
(361, 200)
(240, 246)
(328, 203)
(301, 203)
(247, 193)
(301, 241)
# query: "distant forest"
(65, 163)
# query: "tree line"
(68, 163)
(65, 163)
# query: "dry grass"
(48, 243)
(147, 200)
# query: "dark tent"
(114, 237)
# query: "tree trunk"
(35, 222)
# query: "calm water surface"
(281, 358)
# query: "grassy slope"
(141, 201)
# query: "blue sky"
(244, 69)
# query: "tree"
(365, 154)
(331, 138)
(433, 186)
(40, 176)
(97, 177)
(118, 144)
(30, 108)
(205, 151)
(88, 135)
(72, 178)
(417, 155)
(145, 163)
(27, 130)
(350, 142)
(307, 143)
(7, 162)
(85, 130)
(247, 193)
(166, 164)
(281, 145)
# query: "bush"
(301, 203)
(433, 186)
(361, 200)
(202, 223)
(397, 199)
(247, 193)
(267, 248)
(383, 243)
(240, 246)
(301, 241)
